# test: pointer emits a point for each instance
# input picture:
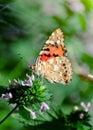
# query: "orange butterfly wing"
(52, 62)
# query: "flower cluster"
(84, 107)
(27, 93)
(28, 82)
(42, 109)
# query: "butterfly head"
(32, 67)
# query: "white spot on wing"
(50, 42)
(58, 41)
(56, 68)
(53, 34)
(51, 61)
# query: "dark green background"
(25, 26)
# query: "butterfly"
(52, 62)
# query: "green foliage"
(24, 93)
(55, 118)
(86, 59)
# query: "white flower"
(81, 116)
(86, 106)
(32, 114)
(43, 107)
(29, 81)
(76, 108)
(26, 83)
(7, 95)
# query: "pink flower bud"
(44, 107)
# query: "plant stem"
(8, 114)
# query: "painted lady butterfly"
(52, 62)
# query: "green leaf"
(82, 21)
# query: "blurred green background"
(25, 26)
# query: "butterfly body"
(52, 62)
